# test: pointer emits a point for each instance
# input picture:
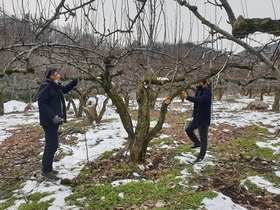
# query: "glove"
(57, 120)
(75, 81)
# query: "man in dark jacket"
(52, 113)
(201, 117)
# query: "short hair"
(50, 71)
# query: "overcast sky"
(190, 28)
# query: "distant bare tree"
(241, 28)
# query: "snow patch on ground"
(112, 135)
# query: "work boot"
(199, 159)
(50, 176)
(54, 172)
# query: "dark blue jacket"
(202, 106)
(51, 101)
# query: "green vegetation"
(163, 141)
(7, 191)
(184, 149)
(107, 154)
(251, 186)
(162, 185)
(271, 176)
(34, 202)
(166, 191)
(242, 148)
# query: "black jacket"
(51, 100)
(202, 106)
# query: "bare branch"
(53, 18)
(229, 36)
(243, 27)
(229, 11)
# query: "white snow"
(262, 183)
(111, 135)
(221, 202)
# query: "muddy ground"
(20, 160)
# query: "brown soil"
(19, 153)
(20, 159)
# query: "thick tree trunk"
(243, 27)
(122, 110)
(275, 106)
(153, 97)
(1, 103)
(138, 149)
(140, 143)
(220, 93)
(143, 133)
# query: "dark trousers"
(203, 134)
(51, 139)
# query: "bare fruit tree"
(241, 28)
(117, 52)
